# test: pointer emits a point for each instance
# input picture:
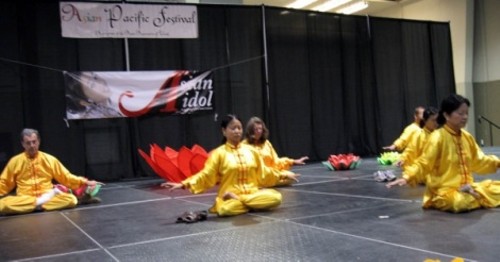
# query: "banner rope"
(237, 63)
(28, 64)
(62, 71)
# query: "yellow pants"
(456, 201)
(25, 204)
(260, 200)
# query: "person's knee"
(456, 202)
(225, 211)
(11, 205)
(278, 198)
(61, 201)
(264, 200)
(2, 207)
(71, 201)
(274, 197)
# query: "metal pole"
(266, 69)
(491, 136)
(127, 55)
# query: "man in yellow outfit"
(32, 173)
(408, 133)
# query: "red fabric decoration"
(344, 161)
(175, 166)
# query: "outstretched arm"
(172, 186)
(93, 183)
(391, 147)
(397, 182)
(300, 161)
(292, 176)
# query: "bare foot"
(229, 195)
(469, 190)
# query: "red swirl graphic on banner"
(165, 96)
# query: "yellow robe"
(238, 170)
(32, 178)
(407, 135)
(272, 160)
(412, 152)
(450, 159)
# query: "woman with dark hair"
(256, 135)
(88, 96)
(238, 169)
(450, 157)
(428, 124)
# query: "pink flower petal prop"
(183, 161)
(166, 164)
(344, 161)
(199, 150)
(154, 166)
(171, 153)
(175, 166)
(197, 163)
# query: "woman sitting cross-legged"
(256, 135)
(450, 157)
(238, 170)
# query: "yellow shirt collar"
(451, 131)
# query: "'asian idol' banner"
(99, 20)
(133, 94)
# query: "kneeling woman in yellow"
(238, 169)
(450, 157)
(428, 123)
(256, 135)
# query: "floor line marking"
(357, 236)
(89, 237)
(341, 212)
(377, 240)
(57, 255)
(179, 236)
(138, 202)
(295, 223)
(118, 204)
(356, 196)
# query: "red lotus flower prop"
(342, 162)
(175, 166)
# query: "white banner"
(97, 20)
(137, 93)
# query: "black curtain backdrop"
(410, 70)
(336, 83)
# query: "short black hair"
(225, 122)
(450, 104)
(428, 112)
